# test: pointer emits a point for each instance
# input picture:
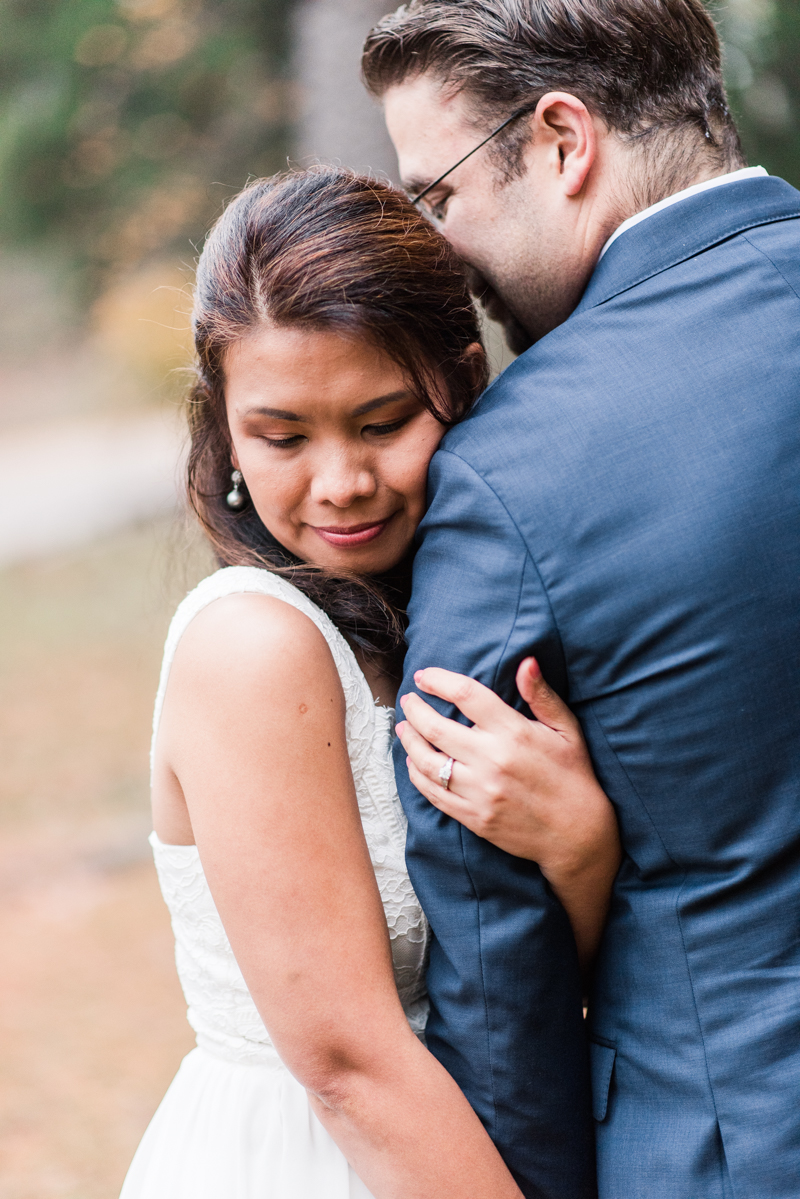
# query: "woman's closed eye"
(285, 442)
(387, 428)
(375, 430)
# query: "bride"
(336, 342)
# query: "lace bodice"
(220, 1008)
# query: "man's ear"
(564, 123)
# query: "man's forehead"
(427, 123)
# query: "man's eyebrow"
(361, 410)
(416, 185)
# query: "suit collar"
(686, 229)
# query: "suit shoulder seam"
(531, 559)
(773, 264)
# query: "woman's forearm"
(409, 1132)
(583, 887)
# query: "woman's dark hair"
(332, 250)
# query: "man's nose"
(341, 480)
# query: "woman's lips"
(344, 536)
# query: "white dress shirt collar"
(694, 190)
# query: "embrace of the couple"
(541, 937)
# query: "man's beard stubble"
(517, 337)
(528, 304)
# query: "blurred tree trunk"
(338, 121)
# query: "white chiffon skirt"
(228, 1130)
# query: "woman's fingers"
(474, 815)
(452, 738)
(427, 760)
(478, 703)
(445, 800)
(548, 708)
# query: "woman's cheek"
(416, 495)
(424, 462)
(403, 472)
(274, 496)
(422, 445)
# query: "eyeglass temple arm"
(518, 113)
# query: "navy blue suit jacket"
(625, 505)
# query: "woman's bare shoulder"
(255, 644)
(253, 692)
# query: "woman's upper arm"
(254, 729)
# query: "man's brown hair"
(650, 69)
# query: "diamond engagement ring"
(444, 773)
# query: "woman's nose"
(341, 480)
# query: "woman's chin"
(370, 559)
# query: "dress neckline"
(154, 840)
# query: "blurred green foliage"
(117, 119)
(124, 124)
(762, 58)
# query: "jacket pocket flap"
(602, 1060)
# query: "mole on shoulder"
(303, 709)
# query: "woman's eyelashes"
(374, 430)
(387, 428)
(285, 442)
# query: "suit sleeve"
(506, 1017)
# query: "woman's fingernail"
(399, 728)
(417, 676)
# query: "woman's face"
(333, 447)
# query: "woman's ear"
(475, 357)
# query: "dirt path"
(92, 1021)
(65, 484)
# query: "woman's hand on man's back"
(527, 786)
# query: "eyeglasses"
(439, 215)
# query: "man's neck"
(690, 190)
(653, 192)
(638, 179)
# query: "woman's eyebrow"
(275, 413)
(381, 401)
(361, 410)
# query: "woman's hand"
(525, 785)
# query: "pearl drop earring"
(236, 499)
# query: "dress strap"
(236, 580)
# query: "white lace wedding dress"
(235, 1124)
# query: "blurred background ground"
(92, 1022)
(124, 126)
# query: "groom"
(625, 505)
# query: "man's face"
(521, 237)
